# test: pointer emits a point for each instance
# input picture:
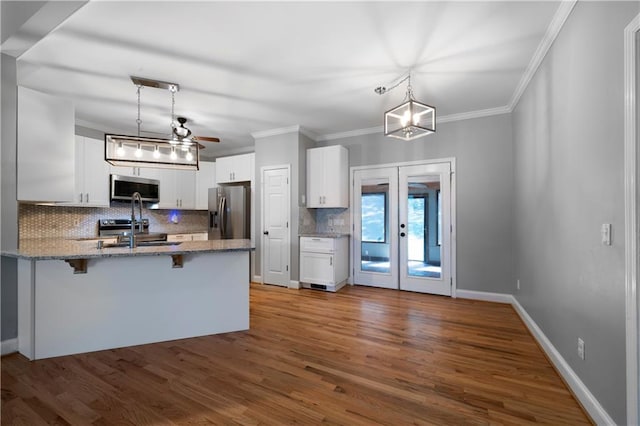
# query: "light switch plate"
(605, 231)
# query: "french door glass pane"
(374, 230)
(423, 226)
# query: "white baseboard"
(586, 398)
(257, 279)
(8, 346)
(588, 401)
(483, 295)
(294, 284)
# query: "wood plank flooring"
(362, 356)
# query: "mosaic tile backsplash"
(37, 221)
(324, 221)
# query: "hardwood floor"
(360, 356)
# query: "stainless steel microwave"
(122, 187)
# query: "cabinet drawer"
(316, 244)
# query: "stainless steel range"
(122, 228)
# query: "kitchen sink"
(143, 244)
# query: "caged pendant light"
(409, 120)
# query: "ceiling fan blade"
(205, 139)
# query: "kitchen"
(486, 115)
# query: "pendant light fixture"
(139, 151)
(409, 120)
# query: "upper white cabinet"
(237, 168)
(177, 188)
(205, 179)
(46, 147)
(327, 177)
(91, 173)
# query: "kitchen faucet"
(132, 237)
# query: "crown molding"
(444, 119)
(474, 114)
(350, 133)
(554, 28)
(275, 132)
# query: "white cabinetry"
(324, 262)
(237, 168)
(91, 173)
(205, 179)
(46, 145)
(177, 189)
(196, 236)
(327, 177)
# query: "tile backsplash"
(37, 221)
(324, 221)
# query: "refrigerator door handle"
(223, 217)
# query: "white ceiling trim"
(560, 17)
(275, 132)
(474, 114)
(444, 119)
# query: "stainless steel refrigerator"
(229, 212)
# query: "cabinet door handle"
(81, 197)
(180, 202)
(87, 197)
(177, 205)
(331, 261)
(320, 200)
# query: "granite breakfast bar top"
(58, 248)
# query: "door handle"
(266, 232)
(402, 234)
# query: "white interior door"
(275, 226)
(425, 215)
(402, 227)
(375, 224)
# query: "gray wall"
(568, 160)
(276, 151)
(483, 151)
(9, 205)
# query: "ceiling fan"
(179, 133)
(182, 133)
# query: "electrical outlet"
(605, 232)
(518, 284)
(581, 348)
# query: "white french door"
(402, 227)
(375, 239)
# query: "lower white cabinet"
(324, 262)
(197, 236)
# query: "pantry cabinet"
(237, 168)
(327, 177)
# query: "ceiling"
(246, 67)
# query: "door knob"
(402, 225)
(402, 234)
(266, 232)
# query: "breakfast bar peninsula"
(75, 296)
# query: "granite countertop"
(58, 248)
(323, 235)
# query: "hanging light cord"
(173, 106)
(139, 121)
